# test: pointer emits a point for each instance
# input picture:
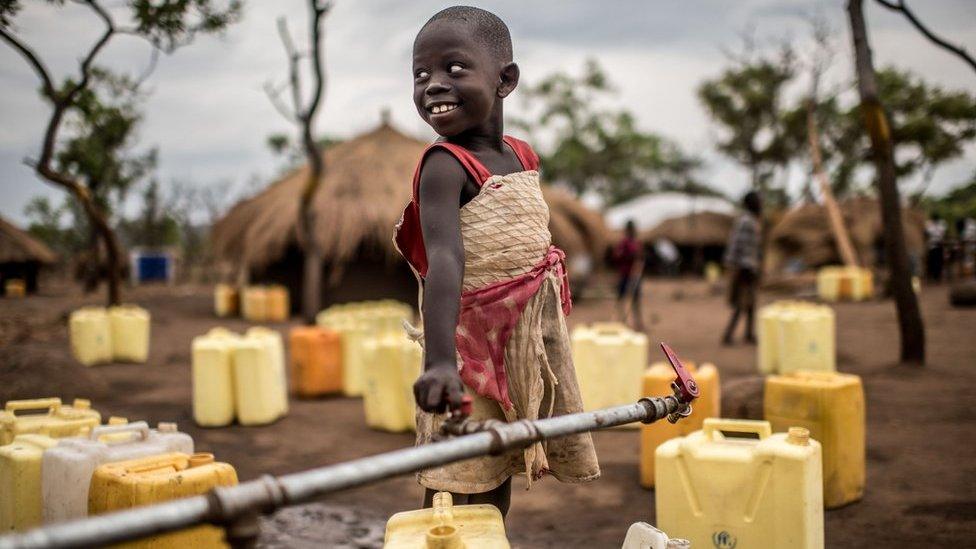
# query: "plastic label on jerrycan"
(67, 469)
(213, 378)
(393, 363)
(734, 484)
(130, 333)
(90, 334)
(46, 416)
(20, 482)
(657, 382)
(831, 406)
(610, 360)
(315, 361)
(445, 526)
(155, 479)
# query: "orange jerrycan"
(392, 365)
(130, 333)
(226, 299)
(254, 303)
(657, 382)
(445, 526)
(154, 479)
(14, 287)
(831, 406)
(278, 304)
(315, 361)
(49, 417)
(90, 333)
(213, 378)
(20, 482)
(735, 484)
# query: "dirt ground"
(921, 486)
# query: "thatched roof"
(698, 229)
(362, 194)
(16, 246)
(803, 233)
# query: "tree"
(746, 101)
(601, 150)
(303, 115)
(901, 6)
(879, 130)
(166, 25)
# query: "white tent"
(649, 210)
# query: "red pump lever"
(684, 384)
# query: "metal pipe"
(225, 505)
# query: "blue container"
(153, 267)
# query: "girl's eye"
(454, 67)
(422, 74)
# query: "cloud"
(209, 117)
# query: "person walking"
(742, 261)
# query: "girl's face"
(456, 80)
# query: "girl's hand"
(439, 389)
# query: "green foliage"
(48, 223)
(958, 203)
(170, 24)
(154, 226)
(746, 100)
(103, 121)
(292, 152)
(601, 150)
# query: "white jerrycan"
(66, 469)
(642, 535)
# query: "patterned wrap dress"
(513, 344)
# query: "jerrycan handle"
(80, 423)
(163, 463)
(760, 428)
(140, 427)
(51, 404)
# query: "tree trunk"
(312, 270)
(882, 149)
(113, 251)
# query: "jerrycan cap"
(81, 404)
(117, 420)
(199, 459)
(799, 436)
(166, 427)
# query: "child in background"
(629, 257)
(742, 259)
(494, 292)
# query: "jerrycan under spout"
(445, 526)
(734, 484)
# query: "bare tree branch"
(900, 5)
(32, 58)
(274, 95)
(320, 10)
(150, 68)
(294, 74)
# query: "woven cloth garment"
(510, 266)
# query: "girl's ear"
(507, 79)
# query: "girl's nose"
(436, 86)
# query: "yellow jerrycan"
(610, 360)
(831, 406)
(657, 382)
(393, 363)
(260, 388)
(213, 378)
(130, 333)
(254, 303)
(91, 336)
(14, 287)
(445, 526)
(154, 479)
(796, 335)
(758, 490)
(20, 482)
(828, 283)
(278, 309)
(226, 300)
(353, 333)
(57, 421)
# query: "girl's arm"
(441, 182)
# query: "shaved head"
(488, 29)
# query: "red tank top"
(409, 238)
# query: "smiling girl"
(494, 289)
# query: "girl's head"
(752, 202)
(462, 67)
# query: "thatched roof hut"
(21, 256)
(697, 229)
(361, 196)
(802, 237)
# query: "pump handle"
(685, 384)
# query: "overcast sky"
(209, 117)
